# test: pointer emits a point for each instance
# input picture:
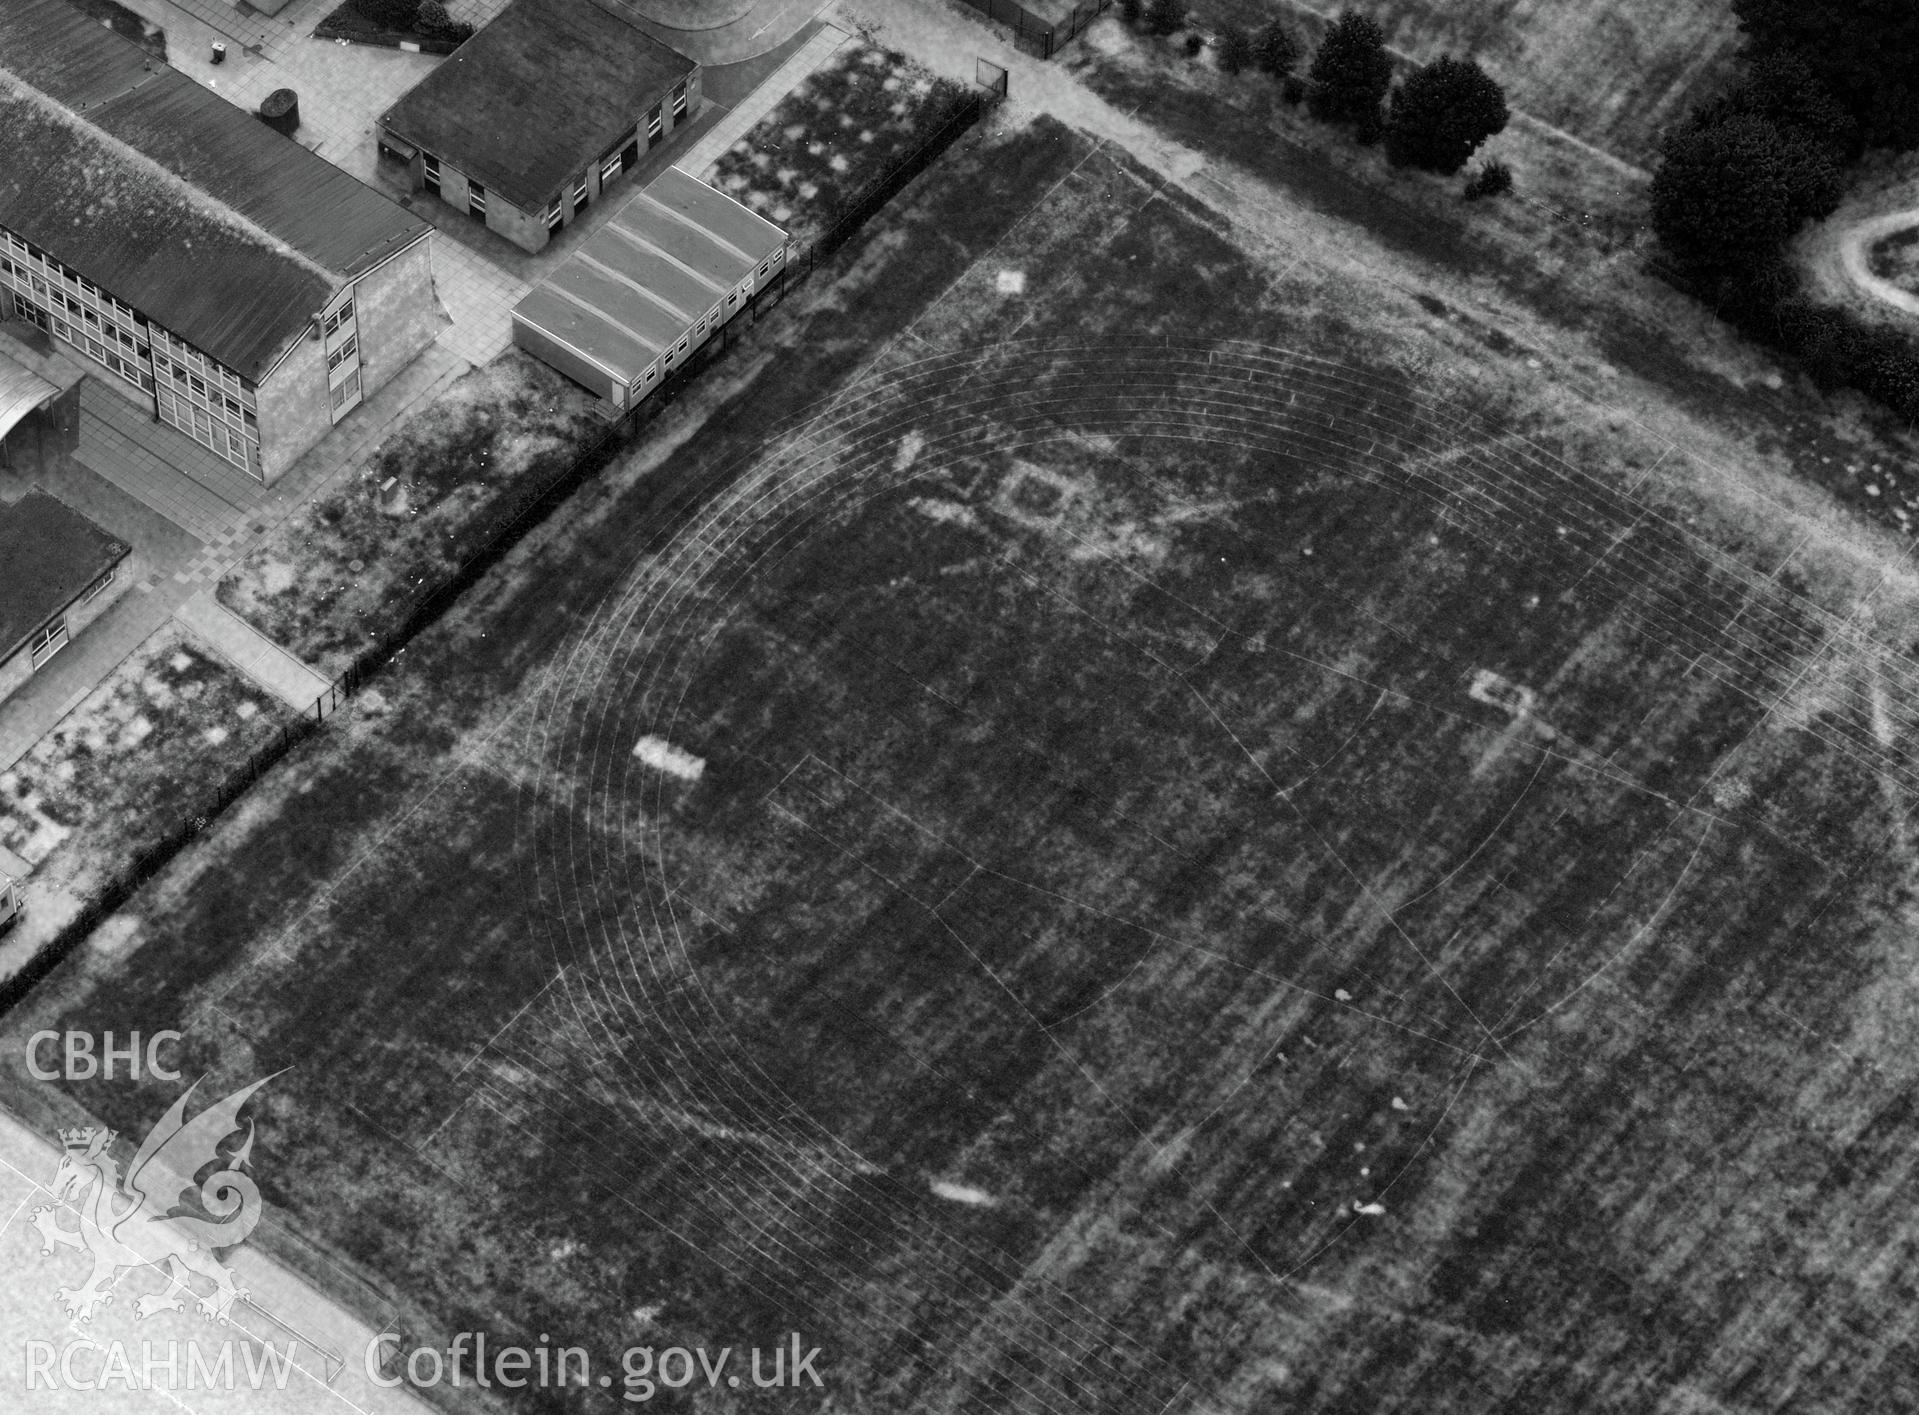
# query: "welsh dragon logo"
(157, 1217)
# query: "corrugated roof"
(21, 391)
(49, 553)
(536, 95)
(145, 182)
(649, 273)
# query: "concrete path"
(698, 160)
(1855, 255)
(253, 653)
(326, 1373)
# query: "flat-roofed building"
(58, 571)
(531, 120)
(649, 287)
(240, 288)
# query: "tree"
(1131, 11)
(1235, 50)
(1785, 92)
(1728, 197)
(1442, 113)
(1275, 51)
(1165, 16)
(393, 14)
(1492, 180)
(1865, 53)
(1351, 72)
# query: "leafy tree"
(1235, 50)
(392, 14)
(1785, 92)
(1131, 11)
(1727, 197)
(1442, 113)
(1494, 179)
(1864, 52)
(1165, 16)
(1351, 72)
(1275, 51)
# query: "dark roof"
(649, 273)
(536, 95)
(171, 198)
(49, 553)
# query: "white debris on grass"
(1399, 1104)
(662, 755)
(180, 662)
(1010, 282)
(949, 512)
(1342, 995)
(909, 450)
(214, 736)
(1371, 1210)
(248, 710)
(962, 1193)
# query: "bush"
(1350, 74)
(1235, 48)
(1275, 51)
(1165, 16)
(1493, 179)
(1865, 54)
(1194, 44)
(1442, 113)
(1292, 90)
(1131, 11)
(390, 14)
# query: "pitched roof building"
(650, 286)
(135, 200)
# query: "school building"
(237, 287)
(525, 125)
(649, 287)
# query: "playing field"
(1139, 857)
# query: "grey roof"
(169, 197)
(49, 553)
(21, 391)
(649, 273)
(544, 89)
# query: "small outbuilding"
(58, 572)
(649, 287)
(526, 124)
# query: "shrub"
(1131, 11)
(1862, 51)
(390, 14)
(1235, 50)
(1442, 113)
(1292, 90)
(1350, 74)
(1275, 51)
(1194, 44)
(1493, 179)
(1165, 16)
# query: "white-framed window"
(554, 219)
(475, 199)
(100, 584)
(580, 196)
(343, 353)
(339, 317)
(679, 101)
(47, 640)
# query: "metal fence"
(511, 525)
(1036, 36)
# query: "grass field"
(1612, 74)
(1221, 878)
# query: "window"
(553, 217)
(679, 101)
(47, 641)
(580, 198)
(348, 390)
(609, 169)
(341, 316)
(430, 172)
(341, 354)
(99, 584)
(653, 126)
(475, 199)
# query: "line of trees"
(1745, 172)
(1435, 120)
